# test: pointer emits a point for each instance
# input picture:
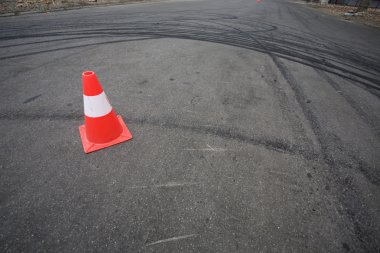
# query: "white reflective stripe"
(96, 106)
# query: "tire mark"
(270, 143)
(355, 207)
(370, 121)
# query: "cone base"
(89, 147)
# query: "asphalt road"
(256, 129)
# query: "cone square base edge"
(89, 147)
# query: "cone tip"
(91, 85)
(88, 73)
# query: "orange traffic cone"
(102, 128)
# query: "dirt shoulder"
(370, 17)
(16, 7)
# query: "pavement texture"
(256, 128)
